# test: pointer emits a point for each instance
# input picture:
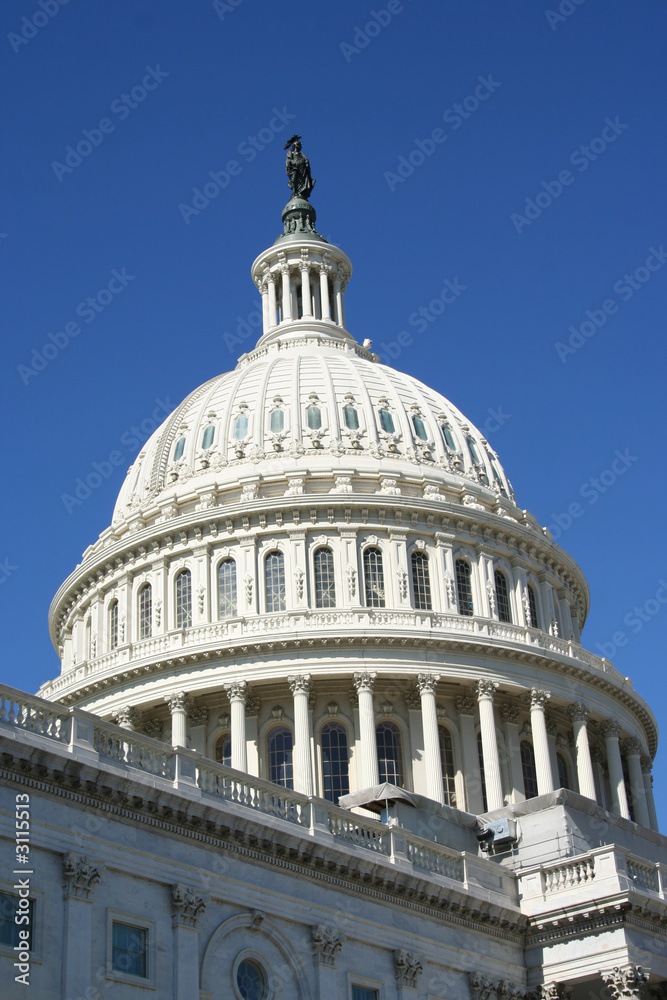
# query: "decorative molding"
(236, 690)
(257, 918)
(485, 689)
(177, 702)
(426, 683)
(408, 968)
(510, 714)
(465, 705)
(364, 681)
(413, 698)
(625, 983)
(326, 944)
(299, 683)
(351, 575)
(578, 712)
(198, 716)
(277, 712)
(152, 728)
(186, 906)
(81, 877)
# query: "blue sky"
(538, 195)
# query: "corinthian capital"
(427, 683)
(408, 968)
(626, 983)
(326, 944)
(579, 712)
(177, 701)
(236, 690)
(610, 728)
(186, 906)
(364, 681)
(486, 689)
(510, 713)
(632, 747)
(299, 683)
(538, 699)
(81, 876)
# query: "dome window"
(314, 417)
(209, 434)
(351, 417)
(145, 611)
(113, 625)
(325, 583)
(420, 429)
(179, 449)
(223, 749)
(421, 582)
(227, 589)
(387, 421)
(374, 578)
(448, 436)
(529, 769)
(447, 761)
(463, 588)
(184, 599)
(335, 767)
(279, 747)
(474, 454)
(502, 597)
(277, 421)
(388, 739)
(275, 582)
(532, 607)
(241, 426)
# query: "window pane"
(275, 582)
(447, 759)
(448, 436)
(223, 749)
(184, 600)
(325, 585)
(473, 451)
(363, 993)
(420, 429)
(113, 625)
(178, 451)
(250, 980)
(528, 768)
(277, 421)
(9, 930)
(128, 950)
(374, 578)
(502, 597)
(335, 761)
(279, 745)
(421, 583)
(145, 611)
(227, 589)
(209, 434)
(532, 608)
(463, 587)
(314, 418)
(241, 426)
(386, 421)
(351, 418)
(388, 738)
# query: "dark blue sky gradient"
(359, 112)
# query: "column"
(487, 726)
(648, 788)
(178, 704)
(626, 982)
(633, 754)
(338, 302)
(510, 716)
(434, 784)
(305, 289)
(264, 289)
(364, 683)
(273, 304)
(538, 725)
(579, 716)
(324, 290)
(327, 942)
(81, 877)
(474, 801)
(619, 801)
(303, 769)
(287, 293)
(186, 908)
(236, 692)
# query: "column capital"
(177, 701)
(408, 968)
(427, 683)
(626, 983)
(510, 714)
(538, 699)
(327, 942)
(186, 906)
(610, 728)
(299, 683)
(236, 690)
(485, 689)
(578, 712)
(364, 681)
(465, 705)
(632, 747)
(127, 716)
(647, 764)
(198, 716)
(81, 877)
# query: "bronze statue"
(297, 167)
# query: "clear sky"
(515, 152)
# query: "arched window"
(482, 775)
(474, 454)
(532, 608)
(184, 599)
(420, 428)
(227, 589)
(563, 773)
(209, 434)
(388, 738)
(421, 581)
(448, 436)
(373, 578)
(447, 759)
(275, 581)
(325, 584)
(335, 761)
(223, 749)
(386, 421)
(314, 417)
(502, 597)
(113, 624)
(279, 752)
(277, 421)
(241, 426)
(179, 449)
(463, 587)
(351, 417)
(146, 611)
(528, 768)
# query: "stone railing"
(403, 626)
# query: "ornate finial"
(297, 167)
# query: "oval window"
(241, 426)
(277, 421)
(314, 418)
(209, 434)
(420, 429)
(179, 449)
(250, 980)
(473, 451)
(351, 418)
(386, 421)
(448, 436)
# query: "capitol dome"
(317, 572)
